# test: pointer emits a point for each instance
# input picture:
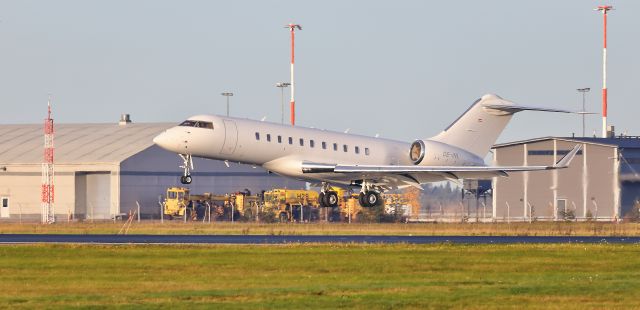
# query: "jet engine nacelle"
(432, 153)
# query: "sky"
(400, 69)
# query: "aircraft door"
(230, 137)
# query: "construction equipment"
(289, 205)
(180, 203)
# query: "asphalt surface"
(272, 239)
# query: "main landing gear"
(369, 196)
(327, 198)
(187, 166)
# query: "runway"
(285, 239)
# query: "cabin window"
(335, 146)
(324, 145)
(268, 137)
(301, 142)
(366, 151)
(258, 136)
(357, 150)
(345, 148)
(312, 143)
(290, 140)
(279, 139)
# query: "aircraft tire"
(321, 200)
(372, 198)
(330, 199)
(363, 201)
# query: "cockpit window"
(197, 124)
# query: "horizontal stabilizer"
(511, 108)
(566, 160)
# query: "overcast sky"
(403, 69)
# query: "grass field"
(466, 229)
(565, 276)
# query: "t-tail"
(478, 128)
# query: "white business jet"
(370, 163)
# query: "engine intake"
(416, 154)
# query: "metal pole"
(584, 111)
(282, 86)
(227, 94)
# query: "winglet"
(566, 160)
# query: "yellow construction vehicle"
(179, 201)
(289, 205)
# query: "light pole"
(604, 9)
(583, 91)
(292, 28)
(227, 94)
(282, 86)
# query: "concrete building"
(601, 183)
(102, 170)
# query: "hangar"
(102, 170)
(602, 182)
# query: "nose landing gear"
(187, 166)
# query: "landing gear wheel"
(362, 201)
(330, 199)
(321, 200)
(372, 198)
(185, 179)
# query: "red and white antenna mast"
(604, 9)
(292, 28)
(48, 211)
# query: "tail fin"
(479, 127)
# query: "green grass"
(297, 276)
(226, 228)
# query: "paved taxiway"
(273, 239)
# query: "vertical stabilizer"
(477, 129)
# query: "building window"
(345, 148)
(268, 137)
(301, 142)
(366, 151)
(324, 145)
(279, 139)
(290, 140)
(258, 136)
(335, 146)
(312, 144)
(357, 148)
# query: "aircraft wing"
(411, 175)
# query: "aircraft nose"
(162, 140)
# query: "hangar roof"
(77, 143)
(620, 142)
